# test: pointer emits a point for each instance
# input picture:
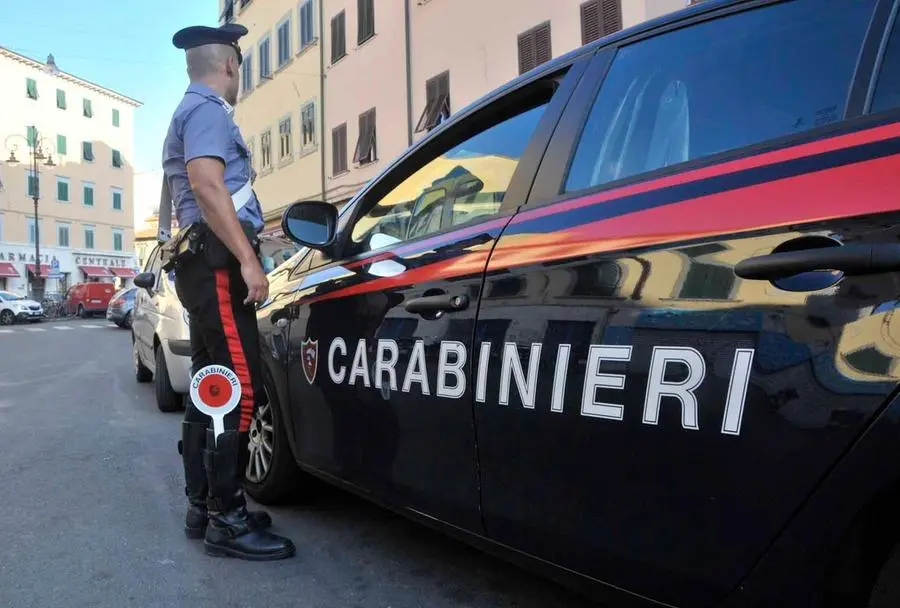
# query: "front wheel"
(272, 475)
(167, 400)
(7, 317)
(141, 373)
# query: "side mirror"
(310, 223)
(146, 280)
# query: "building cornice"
(37, 65)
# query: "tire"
(126, 322)
(7, 317)
(283, 481)
(886, 591)
(141, 373)
(167, 400)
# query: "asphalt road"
(93, 506)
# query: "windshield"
(9, 297)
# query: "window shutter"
(339, 149)
(611, 13)
(590, 21)
(526, 52)
(543, 51)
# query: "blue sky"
(124, 45)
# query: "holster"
(183, 246)
(217, 253)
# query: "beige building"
(279, 107)
(385, 72)
(84, 181)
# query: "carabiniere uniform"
(223, 329)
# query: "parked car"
(630, 319)
(15, 308)
(120, 307)
(88, 299)
(160, 334)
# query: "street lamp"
(36, 147)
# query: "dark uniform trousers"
(223, 331)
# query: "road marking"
(7, 331)
(35, 329)
(91, 326)
(63, 327)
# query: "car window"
(465, 183)
(887, 88)
(721, 85)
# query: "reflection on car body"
(607, 339)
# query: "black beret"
(198, 35)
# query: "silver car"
(159, 334)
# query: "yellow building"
(381, 73)
(84, 182)
(278, 107)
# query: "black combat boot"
(191, 446)
(231, 531)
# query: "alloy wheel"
(261, 445)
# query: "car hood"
(24, 303)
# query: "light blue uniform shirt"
(203, 125)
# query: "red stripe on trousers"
(233, 340)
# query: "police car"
(632, 317)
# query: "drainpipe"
(409, 127)
(322, 91)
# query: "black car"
(629, 318)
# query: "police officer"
(219, 279)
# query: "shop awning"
(8, 270)
(95, 271)
(45, 269)
(125, 273)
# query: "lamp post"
(36, 147)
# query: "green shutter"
(88, 196)
(88, 239)
(88, 111)
(62, 191)
(32, 185)
(32, 135)
(60, 99)
(117, 241)
(117, 201)
(115, 117)
(87, 150)
(116, 158)
(31, 88)
(61, 144)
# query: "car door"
(380, 374)
(651, 408)
(145, 313)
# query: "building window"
(87, 110)
(339, 149)
(32, 231)
(32, 184)
(307, 23)
(265, 59)
(31, 88)
(117, 239)
(115, 117)
(60, 99)
(534, 47)
(61, 147)
(365, 146)
(62, 235)
(308, 125)
(338, 37)
(283, 32)
(87, 151)
(31, 136)
(365, 20)
(116, 199)
(265, 150)
(88, 191)
(62, 189)
(88, 237)
(251, 148)
(116, 159)
(599, 19)
(284, 137)
(247, 73)
(437, 102)
(228, 13)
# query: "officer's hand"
(257, 282)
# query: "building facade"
(383, 73)
(84, 179)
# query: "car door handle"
(849, 259)
(441, 303)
